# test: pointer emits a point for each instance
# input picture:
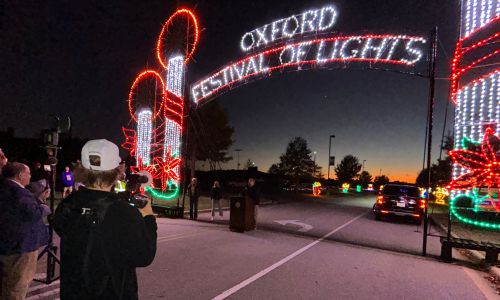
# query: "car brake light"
(380, 199)
(422, 203)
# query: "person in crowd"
(38, 173)
(252, 193)
(104, 237)
(3, 159)
(194, 195)
(20, 229)
(77, 184)
(216, 195)
(41, 190)
(68, 180)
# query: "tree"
(209, 134)
(296, 162)
(275, 169)
(365, 178)
(440, 171)
(348, 168)
(380, 180)
(249, 163)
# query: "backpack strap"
(95, 215)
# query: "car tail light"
(380, 200)
(422, 203)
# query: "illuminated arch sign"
(277, 51)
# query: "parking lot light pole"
(329, 154)
(314, 167)
(238, 161)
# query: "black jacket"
(215, 193)
(253, 193)
(123, 240)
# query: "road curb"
(477, 255)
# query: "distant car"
(400, 200)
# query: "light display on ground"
(475, 92)
(440, 195)
(359, 188)
(316, 188)
(370, 187)
(481, 162)
(345, 187)
(158, 98)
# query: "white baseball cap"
(100, 155)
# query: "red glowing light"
(164, 30)
(456, 70)
(277, 50)
(133, 89)
(482, 163)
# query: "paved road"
(204, 260)
(345, 255)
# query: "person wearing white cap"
(103, 238)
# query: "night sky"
(79, 58)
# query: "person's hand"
(43, 196)
(147, 210)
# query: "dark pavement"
(345, 255)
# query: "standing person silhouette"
(194, 195)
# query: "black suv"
(400, 200)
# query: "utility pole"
(238, 158)
(364, 160)
(430, 113)
(329, 154)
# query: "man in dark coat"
(103, 237)
(20, 221)
(252, 192)
(194, 195)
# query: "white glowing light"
(414, 51)
(172, 141)
(175, 75)
(470, 122)
(478, 13)
(396, 49)
(313, 20)
(353, 51)
(144, 127)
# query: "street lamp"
(364, 160)
(314, 167)
(329, 153)
(238, 159)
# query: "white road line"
(248, 281)
(166, 239)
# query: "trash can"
(241, 216)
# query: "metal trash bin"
(241, 216)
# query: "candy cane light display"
(475, 92)
(156, 104)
